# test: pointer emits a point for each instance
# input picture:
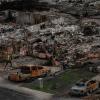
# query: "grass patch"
(62, 82)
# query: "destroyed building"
(58, 36)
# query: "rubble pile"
(58, 40)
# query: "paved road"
(7, 94)
(15, 91)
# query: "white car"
(95, 69)
(84, 87)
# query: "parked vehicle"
(84, 87)
(95, 69)
(28, 72)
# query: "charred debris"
(65, 36)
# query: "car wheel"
(45, 74)
(99, 85)
(91, 90)
(20, 78)
(28, 80)
(87, 93)
(9, 78)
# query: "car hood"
(78, 88)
